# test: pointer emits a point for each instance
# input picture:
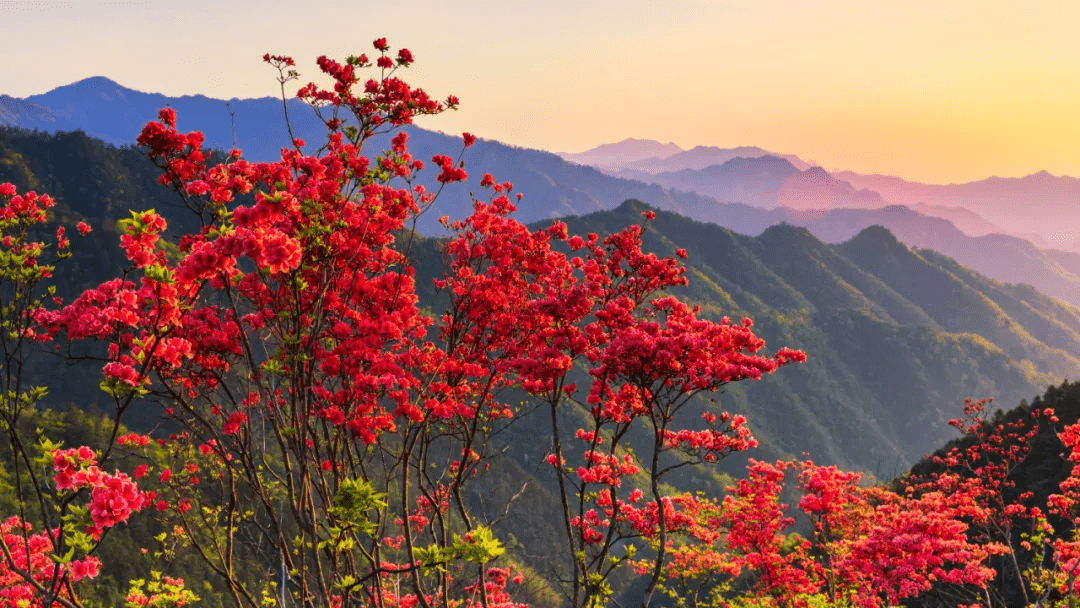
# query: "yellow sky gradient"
(938, 91)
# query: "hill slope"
(891, 359)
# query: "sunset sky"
(931, 90)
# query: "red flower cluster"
(113, 498)
(31, 554)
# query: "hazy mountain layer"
(623, 153)
(1041, 203)
(633, 158)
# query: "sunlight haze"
(930, 91)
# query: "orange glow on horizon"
(930, 92)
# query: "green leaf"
(433, 558)
(66, 558)
(354, 498)
(479, 547)
(346, 582)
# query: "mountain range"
(898, 333)
(758, 189)
(897, 337)
(895, 334)
(624, 153)
(105, 110)
(1038, 207)
(692, 182)
(640, 158)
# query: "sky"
(939, 91)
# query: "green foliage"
(354, 499)
(477, 547)
(158, 592)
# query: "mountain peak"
(877, 237)
(635, 140)
(94, 81)
(93, 84)
(633, 145)
(785, 235)
(760, 162)
(96, 88)
(632, 205)
(622, 153)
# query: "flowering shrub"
(30, 576)
(956, 534)
(36, 568)
(113, 498)
(323, 429)
(323, 426)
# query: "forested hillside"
(897, 338)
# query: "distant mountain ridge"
(625, 152)
(554, 187)
(631, 159)
(115, 114)
(754, 181)
(1040, 203)
(1040, 207)
(1000, 257)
